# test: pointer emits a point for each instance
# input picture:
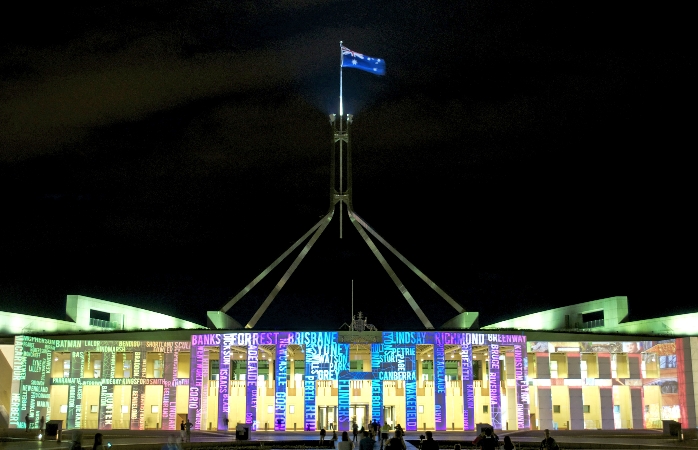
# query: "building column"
(576, 408)
(637, 401)
(310, 390)
(467, 384)
(343, 391)
(280, 382)
(606, 397)
(494, 385)
(603, 361)
(376, 384)
(523, 417)
(687, 384)
(223, 381)
(574, 372)
(637, 406)
(439, 386)
(545, 397)
(251, 383)
(545, 407)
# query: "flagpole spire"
(341, 119)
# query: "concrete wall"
(615, 311)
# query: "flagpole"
(341, 119)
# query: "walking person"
(182, 430)
(187, 427)
(508, 445)
(322, 435)
(355, 430)
(26, 421)
(385, 429)
(42, 423)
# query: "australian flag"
(358, 61)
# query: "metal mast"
(338, 194)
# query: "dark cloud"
(524, 155)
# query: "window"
(263, 368)
(155, 365)
(427, 370)
(421, 409)
(356, 366)
(553, 369)
(556, 409)
(587, 409)
(214, 369)
(124, 365)
(97, 368)
(238, 369)
(291, 409)
(485, 409)
(92, 365)
(453, 371)
(667, 362)
(477, 370)
(94, 408)
(154, 409)
(270, 409)
(669, 387)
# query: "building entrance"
(389, 416)
(359, 415)
(327, 417)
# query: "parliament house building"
(578, 367)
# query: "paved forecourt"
(154, 439)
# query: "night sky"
(524, 155)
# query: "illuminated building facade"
(572, 378)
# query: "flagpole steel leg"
(401, 287)
(412, 267)
(271, 267)
(325, 220)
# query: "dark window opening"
(101, 315)
(596, 315)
